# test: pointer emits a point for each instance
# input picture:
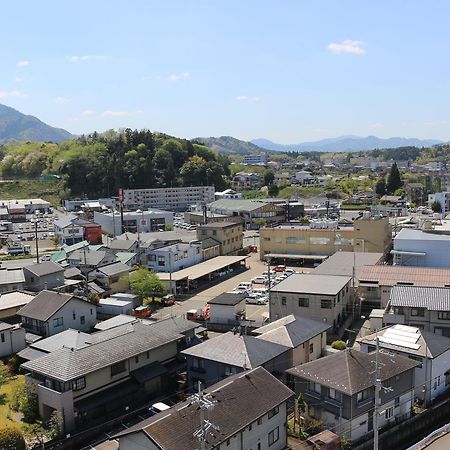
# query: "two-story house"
(422, 307)
(325, 298)
(118, 369)
(172, 258)
(248, 411)
(112, 278)
(340, 390)
(88, 260)
(51, 312)
(45, 275)
(11, 280)
(228, 234)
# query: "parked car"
(260, 280)
(256, 301)
(142, 312)
(244, 285)
(289, 271)
(168, 300)
(279, 268)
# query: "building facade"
(228, 234)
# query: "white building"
(173, 199)
(134, 222)
(227, 193)
(304, 177)
(256, 160)
(227, 308)
(174, 257)
(443, 198)
(12, 339)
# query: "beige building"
(325, 237)
(228, 234)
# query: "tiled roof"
(45, 268)
(114, 269)
(385, 275)
(257, 389)
(348, 371)
(227, 298)
(431, 298)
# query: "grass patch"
(6, 392)
(34, 188)
(348, 207)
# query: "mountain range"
(15, 126)
(229, 144)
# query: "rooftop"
(410, 234)
(11, 276)
(433, 299)
(312, 284)
(257, 389)
(114, 269)
(347, 371)
(240, 351)
(115, 321)
(238, 204)
(14, 299)
(228, 298)
(222, 224)
(44, 268)
(122, 244)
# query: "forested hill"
(229, 144)
(15, 126)
(98, 164)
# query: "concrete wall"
(226, 314)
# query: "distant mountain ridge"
(229, 144)
(15, 126)
(346, 144)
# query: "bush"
(13, 363)
(11, 439)
(339, 345)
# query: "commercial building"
(324, 237)
(339, 392)
(172, 199)
(421, 248)
(25, 206)
(133, 222)
(325, 298)
(229, 235)
(71, 229)
(256, 160)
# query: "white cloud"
(23, 63)
(60, 99)
(347, 46)
(179, 76)
(247, 98)
(18, 80)
(8, 94)
(109, 113)
(88, 113)
(376, 126)
(78, 58)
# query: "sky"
(289, 71)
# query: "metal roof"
(114, 269)
(238, 204)
(431, 298)
(420, 235)
(8, 276)
(45, 268)
(302, 283)
(228, 298)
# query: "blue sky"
(290, 71)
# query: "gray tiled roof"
(236, 350)
(114, 269)
(303, 283)
(209, 242)
(5, 326)
(431, 298)
(45, 304)
(45, 268)
(92, 258)
(257, 390)
(227, 298)
(348, 371)
(122, 244)
(109, 347)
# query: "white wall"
(79, 308)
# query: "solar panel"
(399, 343)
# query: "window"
(319, 240)
(447, 378)
(283, 300)
(326, 303)
(311, 348)
(3, 337)
(397, 402)
(363, 395)
(250, 427)
(399, 310)
(58, 322)
(82, 320)
(273, 412)
(161, 261)
(148, 355)
(418, 312)
(118, 368)
(74, 316)
(78, 384)
(259, 421)
(91, 311)
(334, 395)
(295, 240)
(315, 387)
(303, 302)
(136, 359)
(389, 412)
(444, 315)
(274, 435)
(151, 257)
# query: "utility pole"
(36, 239)
(204, 404)
(377, 395)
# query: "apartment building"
(256, 160)
(325, 298)
(228, 234)
(325, 237)
(422, 307)
(172, 258)
(172, 199)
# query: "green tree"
(164, 168)
(339, 345)
(4, 374)
(11, 439)
(394, 180)
(273, 190)
(269, 177)
(436, 207)
(146, 284)
(380, 187)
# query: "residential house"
(227, 309)
(172, 258)
(305, 178)
(282, 178)
(375, 282)
(230, 353)
(421, 248)
(248, 411)
(227, 193)
(45, 275)
(11, 302)
(88, 260)
(123, 245)
(12, 339)
(118, 369)
(229, 235)
(443, 198)
(325, 298)
(11, 280)
(432, 377)
(422, 307)
(306, 338)
(112, 277)
(108, 307)
(71, 229)
(51, 312)
(243, 180)
(340, 390)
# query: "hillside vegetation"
(98, 164)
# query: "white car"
(244, 285)
(259, 280)
(289, 271)
(256, 301)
